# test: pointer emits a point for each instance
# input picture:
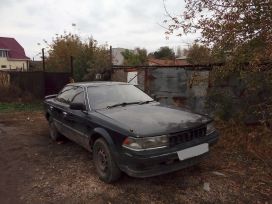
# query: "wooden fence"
(38, 84)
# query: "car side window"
(79, 96)
(66, 95)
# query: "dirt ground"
(33, 169)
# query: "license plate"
(193, 151)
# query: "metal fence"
(184, 86)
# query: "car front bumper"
(162, 162)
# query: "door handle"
(64, 113)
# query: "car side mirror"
(77, 106)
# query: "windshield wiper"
(145, 102)
(122, 104)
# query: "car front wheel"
(105, 165)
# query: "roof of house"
(15, 50)
(162, 62)
(181, 62)
(182, 57)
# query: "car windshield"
(110, 96)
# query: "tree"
(239, 32)
(89, 57)
(164, 53)
(199, 54)
(240, 27)
(60, 51)
(98, 60)
(135, 58)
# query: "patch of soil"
(33, 169)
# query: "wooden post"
(111, 64)
(43, 65)
(111, 56)
(146, 86)
(43, 60)
(72, 66)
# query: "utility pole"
(111, 56)
(43, 60)
(43, 73)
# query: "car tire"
(53, 132)
(105, 165)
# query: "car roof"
(98, 83)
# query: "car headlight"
(146, 143)
(210, 128)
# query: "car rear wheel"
(54, 134)
(105, 165)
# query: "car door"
(61, 103)
(76, 120)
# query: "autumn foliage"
(89, 57)
(239, 27)
(237, 33)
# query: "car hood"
(153, 119)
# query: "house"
(12, 55)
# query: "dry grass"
(14, 94)
(255, 141)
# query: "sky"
(120, 23)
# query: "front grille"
(186, 136)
